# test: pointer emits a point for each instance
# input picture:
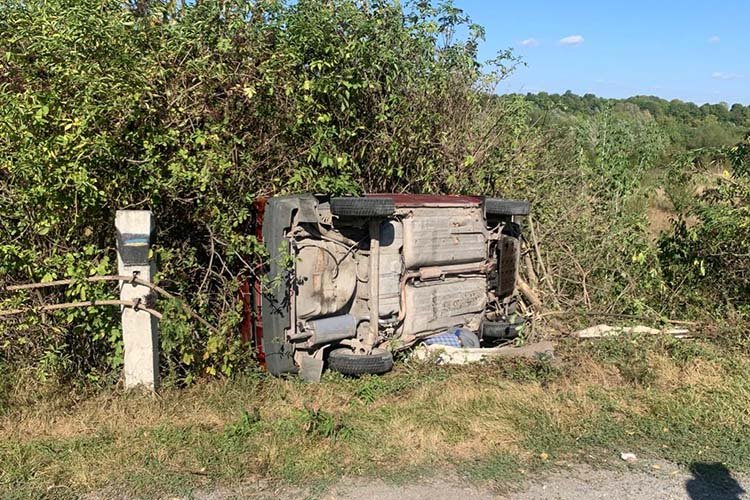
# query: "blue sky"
(691, 50)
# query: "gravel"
(643, 480)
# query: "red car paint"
(428, 200)
(251, 328)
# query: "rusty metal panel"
(432, 306)
(508, 253)
(327, 279)
(444, 236)
(428, 200)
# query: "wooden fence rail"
(100, 278)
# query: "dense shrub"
(197, 110)
(706, 260)
(585, 177)
(194, 112)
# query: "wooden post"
(140, 330)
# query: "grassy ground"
(682, 401)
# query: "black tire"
(362, 207)
(500, 330)
(346, 362)
(501, 207)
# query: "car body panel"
(439, 263)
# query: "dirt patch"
(645, 480)
(649, 480)
(660, 214)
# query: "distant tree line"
(687, 124)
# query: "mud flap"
(310, 367)
(508, 254)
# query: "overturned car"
(352, 280)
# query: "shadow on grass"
(712, 481)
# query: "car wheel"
(502, 207)
(500, 330)
(362, 207)
(346, 362)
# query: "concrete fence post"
(140, 330)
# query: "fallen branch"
(461, 355)
(533, 299)
(529, 294)
(128, 279)
(603, 331)
(597, 314)
(545, 276)
(530, 273)
(87, 303)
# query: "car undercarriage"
(352, 280)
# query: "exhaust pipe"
(327, 331)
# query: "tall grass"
(663, 399)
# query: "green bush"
(195, 111)
(706, 260)
(585, 178)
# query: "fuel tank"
(327, 279)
